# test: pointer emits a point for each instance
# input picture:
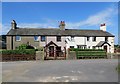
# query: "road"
(93, 70)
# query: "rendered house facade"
(60, 38)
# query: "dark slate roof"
(51, 42)
(57, 31)
(101, 43)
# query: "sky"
(77, 15)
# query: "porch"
(54, 52)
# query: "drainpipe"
(12, 42)
(85, 40)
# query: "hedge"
(89, 53)
(20, 52)
(78, 49)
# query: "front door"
(105, 48)
(51, 51)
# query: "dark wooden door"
(105, 48)
(58, 51)
(51, 51)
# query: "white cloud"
(104, 16)
(36, 25)
(5, 28)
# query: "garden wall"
(40, 55)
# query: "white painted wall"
(53, 38)
(111, 42)
(83, 41)
(94, 43)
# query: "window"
(71, 46)
(106, 38)
(36, 38)
(94, 39)
(58, 38)
(72, 38)
(42, 38)
(17, 38)
(88, 38)
(93, 47)
(88, 47)
(58, 48)
(81, 46)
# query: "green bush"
(25, 46)
(20, 52)
(91, 53)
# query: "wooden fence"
(16, 57)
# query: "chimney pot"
(103, 27)
(13, 24)
(62, 25)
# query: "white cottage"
(91, 39)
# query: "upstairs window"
(18, 38)
(106, 38)
(88, 38)
(43, 38)
(36, 38)
(94, 39)
(72, 38)
(59, 38)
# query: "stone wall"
(40, 55)
(71, 55)
(113, 55)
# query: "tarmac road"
(93, 70)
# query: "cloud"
(37, 25)
(5, 28)
(104, 16)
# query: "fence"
(17, 57)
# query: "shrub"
(89, 52)
(25, 46)
(20, 52)
(78, 49)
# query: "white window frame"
(88, 38)
(72, 38)
(94, 38)
(37, 38)
(16, 38)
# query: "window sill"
(18, 40)
(42, 41)
(36, 41)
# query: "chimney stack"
(13, 24)
(103, 27)
(62, 25)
